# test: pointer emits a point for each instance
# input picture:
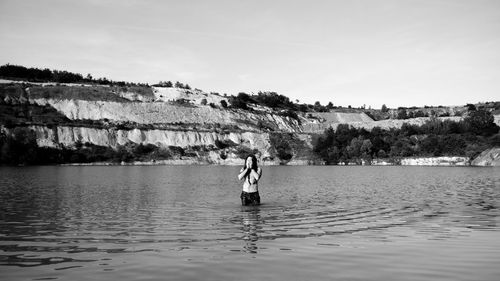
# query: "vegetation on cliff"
(33, 74)
(468, 137)
(21, 148)
(286, 146)
(280, 103)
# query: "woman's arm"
(243, 173)
(256, 174)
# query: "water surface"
(186, 223)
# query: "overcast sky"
(398, 53)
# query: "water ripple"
(72, 220)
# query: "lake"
(186, 223)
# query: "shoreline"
(442, 161)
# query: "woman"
(251, 173)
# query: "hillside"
(88, 122)
(174, 123)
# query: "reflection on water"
(251, 226)
(63, 222)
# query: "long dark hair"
(254, 163)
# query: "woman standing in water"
(251, 173)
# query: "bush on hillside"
(222, 144)
(243, 151)
(238, 103)
(481, 122)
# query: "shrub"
(223, 155)
(145, 149)
(281, 145)
(242, 151)
(177, 150)
(223, 103)
(222, 144)
(238, 103)
(402, 114)
(289, 113)
(381, 154)
(481, 122)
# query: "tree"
(238, 103)
(243, 96)
(481, 122)
(19, 148)
(318, 107)
(402, 114)
(382, 154)
(366, 150)
(204, 102)
(408, 130)
(384, 108)
(470, 107)
(419, 113)
(329, 106)
(333, 155)
(354, 149)
(273, 100)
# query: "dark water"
(185, 223)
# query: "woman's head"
(251, 161)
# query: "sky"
(352, 52)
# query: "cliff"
(173, 125)
(174, 106)
(490, 157)
(204, 147)
(361, 120)
(436, 161)
(165, 113)
(69, 136)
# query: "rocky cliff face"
(436, 161)
(165, 113)
(69, 136)
(490, 157)
(320, 126)
(161, 112)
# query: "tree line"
(169, 84)
(32, 74)
(241, 101)
(468, 137)
(276, 101)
